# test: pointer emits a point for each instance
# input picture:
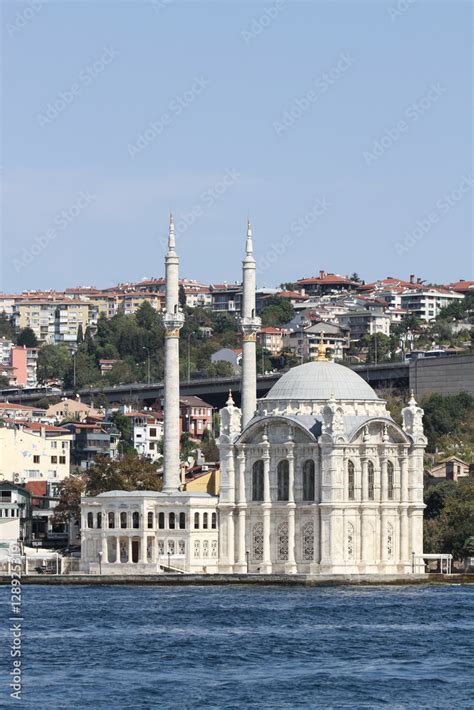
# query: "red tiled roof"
(326, 279)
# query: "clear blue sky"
(379, 139)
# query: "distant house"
(92, 440)
(147, 433)
(107, 365)
(196, 416)
(271, 339)
(451, 468)
(229, 355)
(305, 342)
(15, 514)
(72, 409)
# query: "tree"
(449, 517)
(4, 382)
(6, 328)
(27, 338)
(277, 311)
(130, 472)
(378, 347)
(80, 334)
(182, 296)
(70, 491)
(53, 362)
(209, 447)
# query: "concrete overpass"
(447, 375)
(215, 391)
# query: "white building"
(427, 303)
(147, 432)
(316, 478)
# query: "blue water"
(237, 647)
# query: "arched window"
(257, 542)
(150, 519)
(123, 520)
(99, 520)
(90, 520)
(257, 481)
(161, 521)
(182, 521)
(282, 535)
(283, 476)
(196, 521)
(214, 521)
(350, 480)
(136, 520)
(308, 480)
(205, 521)
(171, 521)
(111, 520)
(390, 480)
(370, 480)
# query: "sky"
(342, 129)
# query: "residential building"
(362, 322)
(46, 531)
(107, 365)
(451, 468)
(427, 303)
(196, 416)
(91, 440)
(306, 342)
(271, 339)
(54, 319)
(23, 413)
(32, 451)
(131, 301)
(19, 363)
(15, 514)
(326, 283)
(72, 409)
(226, 298)
(147, 433)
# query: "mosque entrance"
(135, 550)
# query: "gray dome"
(320, 380)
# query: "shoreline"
(244, 580)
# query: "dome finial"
(322, 349)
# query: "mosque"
(316, 477)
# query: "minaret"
(250, 325)
(173, 321)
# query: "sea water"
(236, 647)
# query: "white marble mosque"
(316, 477)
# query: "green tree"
(379, 347)
(209, 447)
(277, 311)
(80, 334)
(4, 382)
(6, 327)
(27, 338)
(449, 517)
(182, 296)
(53, 362)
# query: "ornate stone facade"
(322, 482)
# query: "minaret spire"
(250, 325)
(173, 321)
